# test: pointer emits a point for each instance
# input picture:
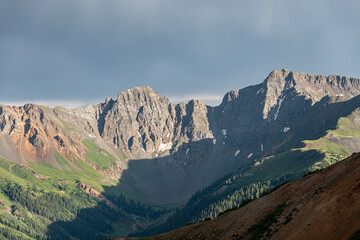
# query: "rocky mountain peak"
(108, 100)
(331, 85)
(279, 73)
(313, 87)
(139, 94)
(230, 96)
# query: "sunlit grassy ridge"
(80, 171)
(84, 174)
(334, 152)
(346, 127)
(100, 157)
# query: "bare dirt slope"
(322, 205)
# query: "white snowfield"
(164, 147)
(278, 109)
(141, 141)
(286, 129)
(187, 153)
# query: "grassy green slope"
(26, 201)
(83, 172)
(334, 152)
(98, 156)
(40, 201)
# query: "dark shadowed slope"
(321, 205)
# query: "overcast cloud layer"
(76, 52)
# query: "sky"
(77, 52)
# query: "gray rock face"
(311, 86)
(146, 124)
(255, 117)
(174, 150)
(138, 120)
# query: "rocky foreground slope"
(321, 205)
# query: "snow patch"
(340, 95)
(168, 135)
(223, 142)
(224, 132)
(262, 147)
(278, 109)
(250, 155)
(92, 136)
(214, 141)
(165, 147)
(141, 141)
(237, 152)
(187, 153)
(286, 129)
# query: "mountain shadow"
(321, 205)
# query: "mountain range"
(160, 165)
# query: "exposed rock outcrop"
(95, 193)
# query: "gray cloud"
(92, 49)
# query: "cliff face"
(284, 83)
(29, 133)
(256, 116)
(146, 124)
(183, 147)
